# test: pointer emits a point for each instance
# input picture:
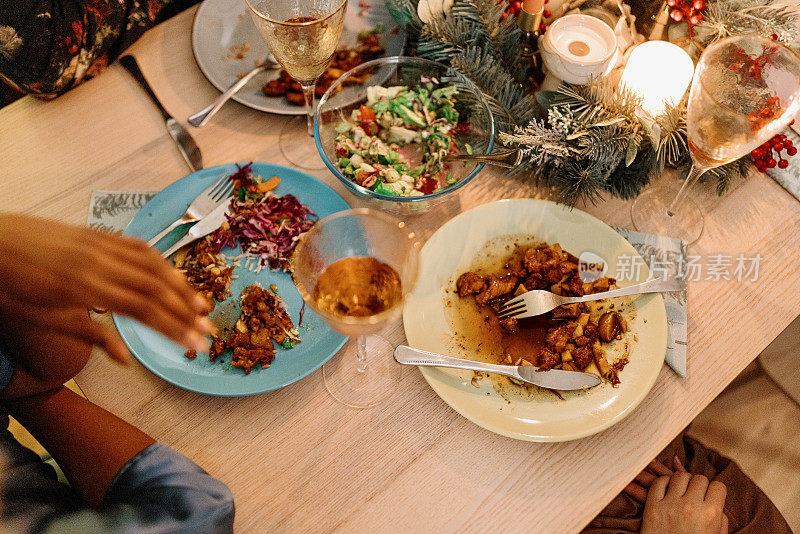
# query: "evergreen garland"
(580, 141)
(724, 18)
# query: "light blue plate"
(166, 359)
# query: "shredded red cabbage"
(269, 226)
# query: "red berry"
(791, 151)
(671, 3)
(503, 15)
(546, 13)
(697, 18)
(771, 163)
(791, 122)
(774, 36)
(782, 164)
(676, 15)
(542, 27)
(788, 142)
(699, 5)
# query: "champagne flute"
(302, 35)
(745, 90)
(354, 268)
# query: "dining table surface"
(297, 460)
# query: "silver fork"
(201, 206)
(204, 115)
(538, 302)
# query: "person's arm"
(133, 484)
(90, 444)
(47, 46)
(52, 272)
(42, 359)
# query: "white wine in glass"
(354, 268)
(303, 36)
(745, 90)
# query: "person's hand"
(679, 502)
(52, 272)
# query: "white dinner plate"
(222, 27)
(533, 415)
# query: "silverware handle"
(500, 159)
(202, 117)
(185, 240)
(132, 66)
(410, 356)
(657, 285)
(168, 229)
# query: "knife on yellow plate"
(551, 378)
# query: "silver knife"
(202, 228)
(186, 145)
(550, 379)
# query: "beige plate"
(511, 411)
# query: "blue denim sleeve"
(158, 491)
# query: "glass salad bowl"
(386, 127)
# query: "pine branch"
(673, 150)
(735, 17)
(728, 173)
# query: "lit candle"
(658, 72)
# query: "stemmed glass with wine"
(745, 90)
(354, 268)
(302, 35)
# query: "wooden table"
(294, 458)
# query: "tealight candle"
(658, 72)
(577, 48)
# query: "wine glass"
(302, 35)
(354, 268)
(745, 90)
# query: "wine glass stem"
(694, 174)
(361, 353)
(309, 94)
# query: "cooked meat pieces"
(263, 319)
(246, 359)
(369, 47)
(558, 336)
(573, 339)
(582, 356)
(470, 283)
(510, 325)
(569, 311)
(206, 271)
(548, 359)
(497, 286)
(218, 346)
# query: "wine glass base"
(649, 214)
(363, 389)
(297, 147)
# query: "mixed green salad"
(396, 142)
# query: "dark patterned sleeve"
(49, 46)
